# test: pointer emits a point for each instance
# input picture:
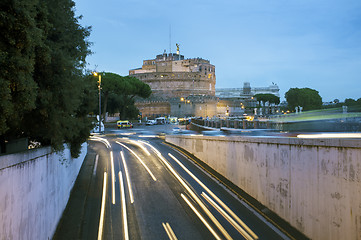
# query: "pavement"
(74, 211)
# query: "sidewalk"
(69, 226)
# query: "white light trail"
(140, 160)
(200, 217)
(95, 165)
(193, 195)
(127, 176)
(124, 207)
(169, 231)
(99, 139)
(102, 210)
(113, 176)
(226, 216)
(330, 135)
(215, 197)
(139, 144)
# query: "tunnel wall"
(34, 190)
(314, 184)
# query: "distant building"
(237, 101)
(180, 87)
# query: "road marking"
(113, 176)
(169, 231)
(200, 217)
(124, 207)
(215, 197)
(127, 176)
(140, 160)
(226, 216)
(193, 195)
(96, 164)
(102, 210)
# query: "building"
(180, 87)
(237, 101)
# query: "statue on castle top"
(177, 48)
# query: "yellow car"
(124, 124)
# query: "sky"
(293, 43)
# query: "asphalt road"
(132, 185)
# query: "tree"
(18, 40)
(308, 99)
(44, 50)
(119, 92)
(263, 98)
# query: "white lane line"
(124, 207)
(200, 217)
(95, 165)
(226, 216)
(215, 197)
(169, 231)
(140, 160)
(128, 178)
(193, 195)
(102, 210)
(113, 176)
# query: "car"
(151, 122)
(124, 124)
(176, 130)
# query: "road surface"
(133, 185)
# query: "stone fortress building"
(180, 87)
(186, 87)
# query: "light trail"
(99, 139)
(127, 176)
(200, 217)
(102, 210)
(169, 231)
(113, 176)
(215, 197)
(330, 135)
(96, 164)
(140, 160)
(124, 207)
(189, 190)
(226, 216)
(139, 144)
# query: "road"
(133, 185)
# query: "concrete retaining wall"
(34, 190)
(314, 184)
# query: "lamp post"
(100, 101)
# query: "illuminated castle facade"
(180, 87)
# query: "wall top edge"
(322, 142)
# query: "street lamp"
(100, 101)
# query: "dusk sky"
(308, 43)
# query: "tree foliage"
(308, 99)
(267, 97)
(42, 55)
(119, 94)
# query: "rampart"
(34, 190)
(314, 184)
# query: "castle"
(180, 87)
(186, 87)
